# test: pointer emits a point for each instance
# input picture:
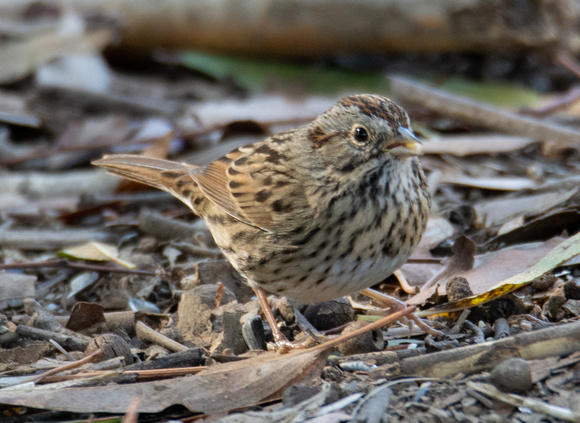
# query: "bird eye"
(360, 134)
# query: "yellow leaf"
(95, 251)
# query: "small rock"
(194, 320)
(298, 393)
(572, 307)
(367, 342)
(572, 290)
(283, 306)
(226, 319)
(143, 261)
(512, 375)
(329, 314)
(553, 307)
(458, 288)
(544, 282)
(213, 271)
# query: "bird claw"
(282, 345)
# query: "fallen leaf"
(257, 75)
(492, 92)
(223, 387)
(475, 144)
(558, 255)
(542, 227)
(20, 58)
(508, 183)
(499, 211)
(266, 108)
(95, 251)
(499, 265)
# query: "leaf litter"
(504, 224)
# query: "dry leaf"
(508, 183)
(96, 251)
(475, 144)
(558, 255)
(223, 387)
(499, 211)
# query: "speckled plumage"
(313, 213)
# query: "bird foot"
(394, 305)
(282, 345)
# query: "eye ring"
(360, 134)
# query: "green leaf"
(497, 93)
(259, 75)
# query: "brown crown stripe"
(375, 106)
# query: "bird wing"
(169, 176)
(254, 185)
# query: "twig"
(395, 304)
(49, 240)
(538, 406)
(556, 341)
(481, 114)
(74, 265)
(141, 374)
(561, 103)
(405, 286)
(132, 415)
(69, 342)
(145, 333)
(569, 62)
(372, 326)
(196, 251)
(423, 260)
(88, 359)
(61, 349)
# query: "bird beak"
(405, 143)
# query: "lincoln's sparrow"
(312, 213)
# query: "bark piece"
(555, 341)
(306, 28)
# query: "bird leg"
(396, 305)
(279, 338)
(281, 343)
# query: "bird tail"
(166, 175)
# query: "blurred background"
(490, 85)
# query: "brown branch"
(273, 27)
(557, 136)
(88, 359)
(75, 265)
(407, 312)
(141, 374)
